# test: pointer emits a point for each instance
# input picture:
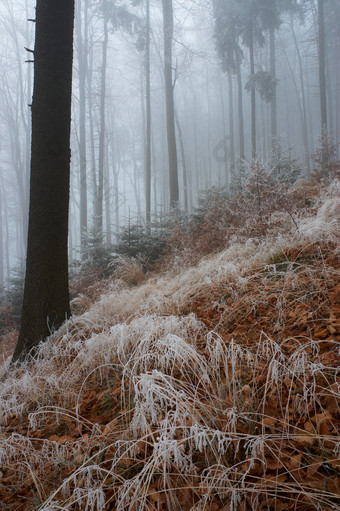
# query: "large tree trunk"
(46, 295)
(169, 96)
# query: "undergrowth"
(213, 388)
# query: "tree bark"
(46, 295)
(322, 67)
(148, 120)
(99, 203)
(231, 126)
(169, 97)
(303, 98)
(82, 51)
(252, 95)
(273, 104)
(2, 280)
(184, 164)
(240, 112)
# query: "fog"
(210, 59)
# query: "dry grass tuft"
(216, 388)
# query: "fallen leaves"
(276, 400)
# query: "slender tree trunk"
(184, 165)
(337, 101)
(1, 245)
(273, 104)
(6, 237)
(309, 103)
(231, 126)
(169, 95)
(303, 98)
(252, 96)
(92, 137)
(114, 160)
(107, 193)
(220, 88)
(329, 89)
(148, 119)
(322, 67)
(46, 296)
(240, 112)
(82, 47)
(101, 155)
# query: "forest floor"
(212, 388)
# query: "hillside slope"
(214, 388)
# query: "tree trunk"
(92, 138)
(184, 165)
(303, 98)
(240, 112)
(82, 47)
(322, 67)
(99, 204)
(252, 95)
(148, 120)
(231, 126)
(46, 296)
(273, 104)
(220, 88)
(169, 97)
(1, 245)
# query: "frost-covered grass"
(138, 405)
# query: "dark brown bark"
(46, 295)
(169, 97)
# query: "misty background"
(109, 108)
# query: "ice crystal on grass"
(141, 404)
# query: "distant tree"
(322, 77)
(148, 117)
(227, 36)
(322, 64)
(114, 16)
(46, 294)
(169, 98)
(270, 12)
(235, 21)
(143, 45)
(82, 38)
